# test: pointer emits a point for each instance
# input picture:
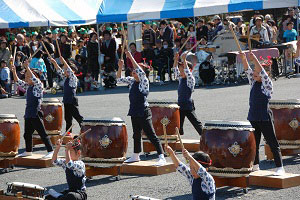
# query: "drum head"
(51, 100)
(114, 120)
(26, 185)
(216, 124)
(288, 103)
(8, 116)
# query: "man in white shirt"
(260, 30)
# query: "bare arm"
(68, 148)
(120, 64)
(244, 61)
(254, 60)
(174, 158)
(58, 145)
(134, 63)
(53, 61)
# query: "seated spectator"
(218, 25)
(201, 30)
(38, 64)
(4, 51)
(137, 57)
(3, 93)
(290, 34)
(227, 24)
(211, 31)
(148, 53)
(260, 30)
(88, 80)
(240, 28)
(5, 76)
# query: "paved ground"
(212, 103)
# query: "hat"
(62, 30)
(48, 32)
(268, 17)
(54, 31)
(182, 26)
(71, 31)
(23, 31)
(154, 23)
(258, 18)
(34, 33)
(28, 34)
(147, 22)
(216, 17)
(108, 28)
(3, 61)
(119, 28)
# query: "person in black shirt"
(201, 30)
(149, 35)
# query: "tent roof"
(139, 10)
(30, 13)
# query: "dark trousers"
(95, 74)
(191, 115)
(267, 129)
(36, 124)
(145, 124)
(69, 196)
(49, 74)
(71, 111)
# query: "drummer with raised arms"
(185, 90)
(70, 85)
(141, 116)
(33, 115)
(259, 115)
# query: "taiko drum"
(107, 139)
(52, 110)
(9, 134)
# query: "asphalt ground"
(211, 102)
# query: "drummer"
(141, 116)
(70, 100)
(259, 115)
(33, 115)
(203, 184)
(74, 169)
(185, 90)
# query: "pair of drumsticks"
(237, 42)
(79, 137)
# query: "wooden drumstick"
(46, 49)
(181, 143)
(124, 42)
(195, 45)
(14, 56)
(236, 40)
(67, 131)
(58, 48)
(40, 48)
(185, 43)
(82, 134)
(249, 43)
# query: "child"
(203, 184)
(75, 172)
(33, 115)
(70, 100)
(290, 34)
(259, 115)
(185, 90)
(88, 80)
(141, 116)
(5, 76)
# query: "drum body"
(9, 135)
(52, 109)
(108, 138)
(28, 190)
(207, 72)
(286, 115)
(165, 112)
(231, 146)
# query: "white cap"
(216, 17)
(268, 17)
(90, 31)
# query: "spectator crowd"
(91, 53)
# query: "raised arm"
(247, 68)
(175, 65)
(57, 67)
(120, 64)
(174, 158)
(190, 78)
(58, 145)
(120, 79)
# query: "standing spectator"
(218, 25)
(156, 30)
(191, 32)
(22, 45)
(92, 59)
(65, 47)
(108, 48)
(291, 13)
(82, 50)
(260, 30)
(166, 33)
(5, 76)
(211, 31)
(149, 34)
(174, 31)
(227, 24)
(4, 51)
(137, 57)
(273, 29)
(177, 46)
(290, 34)
(252, 20)
(33, 43)
(201, 30)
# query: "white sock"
(161, 156)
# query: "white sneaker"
(24, 154)
(279, 171)
(157, 78)
(48, 155)
(54, 194)
(255, 168)
(134, 158)
(161, 160)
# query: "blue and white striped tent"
(139, 10)
(30, 13)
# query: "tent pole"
(99, 52)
